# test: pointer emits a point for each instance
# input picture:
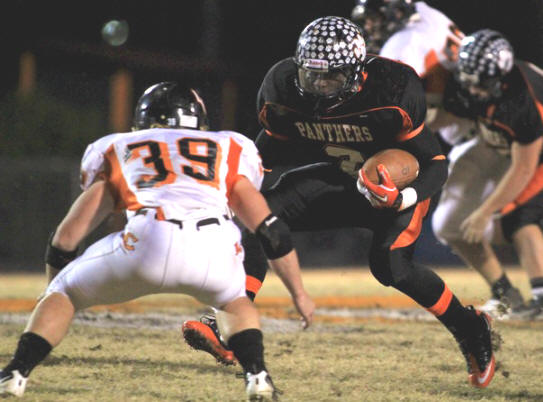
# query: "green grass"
(363, 360)
(372, 361)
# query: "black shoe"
(477, 350)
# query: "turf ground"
(369, 343)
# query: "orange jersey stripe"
(442, 304)
(252, 284)
(232, 161)
(410, 234)
(278, 136)
(532, 94)
(407, 135)
(125, 198)
(435, 75)
(439, 158)
(534, 187)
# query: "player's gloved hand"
(382, 195)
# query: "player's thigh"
(120, 267)
(209, 266)
(317, 197)
(474, 172)
(529, 213)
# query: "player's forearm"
(248, 204)
(524, 162)
(288, 270)
(86, 213)
(511, 185)
(430, 180)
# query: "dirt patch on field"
(264, 303)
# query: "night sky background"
(205, 42)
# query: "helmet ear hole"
(169, 104)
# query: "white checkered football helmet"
(484, 58)
(330, 46)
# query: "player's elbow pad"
(56, 257)
(274, 235)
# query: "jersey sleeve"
(93, 164)
(250, 163)
(405, 47)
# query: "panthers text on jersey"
(388, 112)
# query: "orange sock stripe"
(442, 304)
(252, 284)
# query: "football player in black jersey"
(496, 182)
(326, 110)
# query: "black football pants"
(320, 196)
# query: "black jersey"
(388, 112)
(517, 116)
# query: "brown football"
(402, 166)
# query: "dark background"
(211, 43)
(205, 41)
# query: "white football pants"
(152, 256)
(474, 171)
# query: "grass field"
(134, 351)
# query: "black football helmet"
(484, 58)
(330, 56)
(380, 19)
(169, 104)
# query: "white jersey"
(429, 43)
(182, 173)
(180, 240)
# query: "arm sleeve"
(432, 163)
(422, 143)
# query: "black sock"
(537, 287)
(249, 350)
(31, 350)
(250, 295)
(501, 286)
(460, 321)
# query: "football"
(402, 166)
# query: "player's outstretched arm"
(252, 209)
(86, 213)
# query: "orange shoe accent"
(201, 337)
(478, 379)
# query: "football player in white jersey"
(427, 40)
(178, 183)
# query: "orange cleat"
(477, 350)
(204, 335)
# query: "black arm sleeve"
(432, 163)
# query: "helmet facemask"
(330, 57)
(484, 59)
